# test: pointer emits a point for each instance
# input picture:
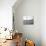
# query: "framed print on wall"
(28, 20)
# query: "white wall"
(6, 13)
(43, 22)
(29, 8)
